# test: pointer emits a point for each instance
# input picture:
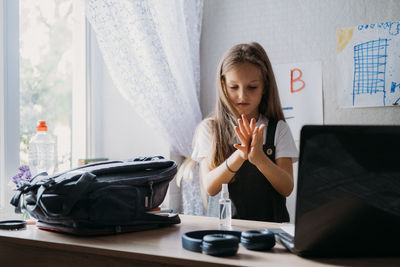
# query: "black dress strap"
(270, 138)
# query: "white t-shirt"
(285, 146)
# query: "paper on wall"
(300, 91)
(368, 65)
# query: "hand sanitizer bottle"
(225, 210)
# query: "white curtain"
(151, 49)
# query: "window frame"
(9, 118)
(81, 99)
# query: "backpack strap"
(269, 147)
(80, 187)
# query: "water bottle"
(225, 209)
(42, 151)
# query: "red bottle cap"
(42, 126)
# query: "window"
(49, 52)
(43, 54)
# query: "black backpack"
(100, 198)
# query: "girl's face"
(245, 87)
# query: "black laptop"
(348, 192)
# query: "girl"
(259, 176)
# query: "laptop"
(348, 192)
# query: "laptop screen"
(348, 190)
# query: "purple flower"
(24, 168)
(17, 178)
(23, 175)
(27, 175)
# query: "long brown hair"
(225, 117)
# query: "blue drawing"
(370, 68)
(393, 27)
(392, 90)
(393, 87)
(396, 103)
(288, 117)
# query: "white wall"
(292, 31)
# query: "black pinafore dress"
(253, 196)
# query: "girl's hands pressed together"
(256, 153)
(251, 138)
(245, 132)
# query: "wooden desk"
(159, 247)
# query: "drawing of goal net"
(370, 68)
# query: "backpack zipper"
(146, 200)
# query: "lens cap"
(12, 224)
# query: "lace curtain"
(151, 50)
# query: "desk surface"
(159, 247)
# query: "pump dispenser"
(225, 209)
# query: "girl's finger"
(240, 135)
(241, 148)
(246, 124)
(261, 133)
(242, 128)
(254, 140)
(240, 125)
(252, 125)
